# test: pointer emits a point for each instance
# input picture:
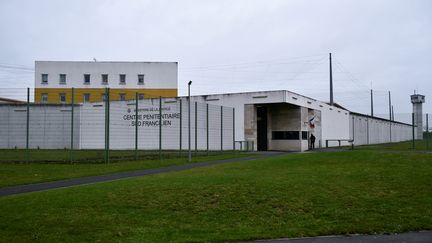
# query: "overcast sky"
(232, 46)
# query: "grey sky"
(232, 46)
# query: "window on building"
(140, 78)
(62, 78)
(86, 98)
(103, 97)
(285, 135)
(44, 98)
(122, 97)
(86, 78)
(304, 135)
(122, 78)
(140, 96)
(62, 98)
(104, 78)
(44, 78)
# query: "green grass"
(21, 173)
(419, 145)
(360, 191)
(83, 156)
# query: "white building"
(283, 120)
(54, 80)
(270, 120)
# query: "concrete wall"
(284, 117)
(50, 125)
(368, 130)
(334, 121)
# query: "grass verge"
(19, 174)
(361, 191)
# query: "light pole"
(189, 121)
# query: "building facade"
(283, 120)
(54, 80)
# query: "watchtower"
(417, 100)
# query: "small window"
(86, 98)
(44, 78)
(140, 78)
(62, 98)
(122, 78)
(304, 135)
(285, 135)
(103, 97)
(104, 78)
(86, 78)
(122, 97)
(62, 78)
(44, 98)
(140, 96)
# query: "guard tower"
(417, 100)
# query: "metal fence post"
(160, 127)
(233, 129)
(136, 126)
(367, 130)
(72, 124)
(196, 127)
(107, 121)
(427, 131)
(207, 128)
(413, 131)
(221, 127)
(181, 123)
(28, 125)
(390, 125)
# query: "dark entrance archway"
(262, 128)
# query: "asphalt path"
(13, 190)
(410, 237)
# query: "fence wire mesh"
(113, 128)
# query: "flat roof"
(147, 62)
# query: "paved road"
(411, 237)
(6, 191)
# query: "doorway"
(262, 128)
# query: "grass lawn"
(21, 173)
(360, 191)
(84, 156)
(420, 145)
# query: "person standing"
(312, 141)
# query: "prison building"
(284, 120)
(54, 80)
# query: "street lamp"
(189, 121)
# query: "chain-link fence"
(118, 127)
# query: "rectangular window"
(44, 98)
(62, 98)
(122, 97)
(140, 96)
(62, 78)
(122, 78)
(304, 135)
(86, 98)
(44, 78)
(104, 78)
(285, 135)
(103, 97)
(140, 78)
(86, 78)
